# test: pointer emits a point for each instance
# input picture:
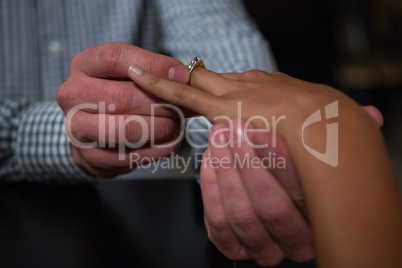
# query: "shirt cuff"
(42, 149)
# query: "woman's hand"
(246, 95)
(339, 196)
(272, 102)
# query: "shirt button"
(55, 46)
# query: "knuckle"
(218, 224)
(124, 99)
(76, 60)
(242, 220)
(109, 56)
(277, 215)
(152, 65)
(70, 93)
(180, 92)
(252, 75)
(278, 73)
(91, 89)
(132, 130)
(153, 82)
(75, 128)
(61, 95)
(64, 94)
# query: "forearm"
(355, 207)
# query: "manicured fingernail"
(171, 73)
(135, 70)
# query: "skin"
(99, 74)
(354, 208)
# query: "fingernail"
(135, 70)
(171, 73)
(221, 138)
(178, 74)
(238, 133)
(218, 136)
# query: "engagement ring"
(195, 62)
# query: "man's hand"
(111, 113)
(251, 211)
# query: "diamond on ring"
(195, 62)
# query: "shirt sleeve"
(34, 145)
(220, 32)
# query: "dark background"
(352, 45)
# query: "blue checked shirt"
(38, 39)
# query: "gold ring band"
(195, 62)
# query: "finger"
(111, 60)
(271, 202)
(283, 170)
(84, 165)
(179, 74)
(110, 96)
(114, 97)
(237, 205)
(219, 231)
(232, 76)
(175, 93)
(105, 163)
(211, 82)
(282, 167)
(201, 78)
(375, 114)
(110, 131)
(93, 168)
